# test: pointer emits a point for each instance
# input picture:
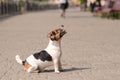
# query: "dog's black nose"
(62, 25)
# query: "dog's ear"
(51, 36)
(55, 34)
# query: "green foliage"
(112, 15)
(115, 15)
(83, 1)
(105, 15)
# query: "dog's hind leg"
(32, 68)
(40, 69)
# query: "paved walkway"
(91, 48)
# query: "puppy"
(47, 57)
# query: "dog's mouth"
(62, 33)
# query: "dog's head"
(57, 34)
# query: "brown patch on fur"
(27, 65)
(57, 37)
(55, 34)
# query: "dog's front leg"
(56, 65)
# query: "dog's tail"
(19, 60)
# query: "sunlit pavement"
(91, 47)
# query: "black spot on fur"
(23, 62)
(43, 55)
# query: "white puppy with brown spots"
(47, 57)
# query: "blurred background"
(91, 48)
(102, 8)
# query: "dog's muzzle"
(62, 33)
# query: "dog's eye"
(57, 31)
(53, 33)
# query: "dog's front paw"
(57, 72)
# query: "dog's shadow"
(69, 69)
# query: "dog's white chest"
(54, 49)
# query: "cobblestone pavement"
(91, 48)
